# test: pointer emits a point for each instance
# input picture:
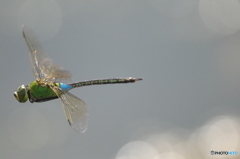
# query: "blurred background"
(187, 51)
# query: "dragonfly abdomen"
(105, 81)
(65, 87)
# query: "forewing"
(43, 67)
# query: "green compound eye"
(21, 94)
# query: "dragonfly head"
(21, 94)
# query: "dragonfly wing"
(76, 112)
(75, 109)
(43, 67)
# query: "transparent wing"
(75, 109)
(43, 67)
(76, 112)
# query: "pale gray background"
(190, 65)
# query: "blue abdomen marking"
(65, 87)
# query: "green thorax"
(39, 92)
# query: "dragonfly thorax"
(21, 94)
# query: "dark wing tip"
(24, 29)
(69, 122)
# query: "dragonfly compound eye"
(21, 94)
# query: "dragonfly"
(51, 84)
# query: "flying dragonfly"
(51, 84)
